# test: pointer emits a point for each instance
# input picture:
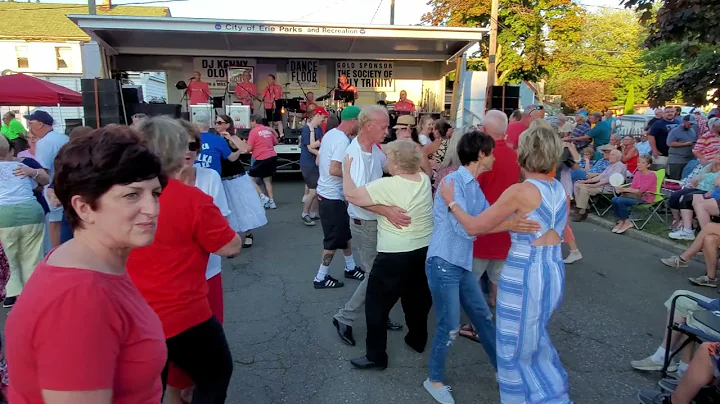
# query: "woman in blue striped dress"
(533, 278)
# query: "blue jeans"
(578, 175)
(621, 206)
(452, 287)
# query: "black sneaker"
(9, 302)
(328, 283)
(307, 221)
(358, 274)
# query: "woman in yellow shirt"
(399, 269)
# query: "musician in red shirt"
(246, 91)
(404, 106)
(343, 85)
(198, 91)
(272, 93)
(309, 105)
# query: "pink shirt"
(645, 183)
(26, 154)
(199, 92)
(271, 93)
(513, 132)
(245, 93)
(262, 140)
(405, 106)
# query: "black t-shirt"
(659, 130)
(231, 168)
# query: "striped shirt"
(708, 144)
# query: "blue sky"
(407, 12)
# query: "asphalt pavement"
(286, 349)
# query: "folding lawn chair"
(601, 203)
(650, 209)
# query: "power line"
(376, 11)
(322, 8)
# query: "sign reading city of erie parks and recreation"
(215, 71)
(303, 73)
(367, 75)
(289, 29)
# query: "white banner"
(367, 75)
(303, 72)
(214, 71)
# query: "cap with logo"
(320, 111)
(350, 113)
(41, 116)
(404, 121)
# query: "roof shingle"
(45, 21)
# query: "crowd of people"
(114, 237)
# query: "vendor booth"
(338, 64)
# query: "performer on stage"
(343, 85)
(198, 91)
(404, 106)
(309, 105)
(273, 114)
(245, 90)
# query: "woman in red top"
(82, 333)
(170, 273)
(629, 153)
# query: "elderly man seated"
(585, 189)
(578, 135)
(708, 241)
(583, 172)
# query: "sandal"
(248, 242)
(467, 331)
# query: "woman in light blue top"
(449, 264)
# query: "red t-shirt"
(170, 273)
(199, 92)
(512, 134)
(405, 106)
(263, 141)
(505, 172)
(82, 330)
(272, 93)
(245, 93)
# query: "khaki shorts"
(493, 268)
(685, 307)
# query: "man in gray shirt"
(680, 141)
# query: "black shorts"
(335, 224)
(263, 168)
(311, 175)
(273, 114)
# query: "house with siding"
(44, 43)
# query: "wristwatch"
(451, 205)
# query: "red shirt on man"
(199, 92)
(246, 93)
(513, 132)
(405, 106)
(505, 172)
(82, 330)
(170, 273)
(272, 93)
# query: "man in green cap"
(11, 127)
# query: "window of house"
(63, 55)
(21, 55)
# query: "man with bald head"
(515, 129)
(490, 251)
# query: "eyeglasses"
(220, 122)
(194, 146)
(539, 107)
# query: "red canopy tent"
(21, 89)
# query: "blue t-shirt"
(601, 133)
(214, 148)
(307, 158)
(660, 130)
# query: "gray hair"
(368, 113)
(405, 154)
(4, 146)
(495, 123)
(202, 120)
(713, 122)
(540, 148)
(167, 139)
(451, 158)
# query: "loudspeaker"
(108, 100)
(505, 98)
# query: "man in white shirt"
(368, 164)
(331, 203)
(48, 145)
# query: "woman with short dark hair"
(82, 333)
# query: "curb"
(664, 243)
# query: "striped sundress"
(530, 289)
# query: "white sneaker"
(264, 199)
(574, 256)
(682, 234)
(649, 365)
(442, 395)
(270, 204)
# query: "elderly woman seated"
(708, 241)
(585, 189)
(681, 202)
(642, 189)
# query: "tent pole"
(62, 121)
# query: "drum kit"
(297, 117)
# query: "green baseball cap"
(350, 113)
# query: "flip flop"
(467, 331)
(624, 229)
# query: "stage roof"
(275, 39)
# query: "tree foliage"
(689, 31)
(524, 29)
(591, 94)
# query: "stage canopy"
(21, 89)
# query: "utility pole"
(91, 7)
(493, 43)
(392, 12)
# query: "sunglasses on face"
(194, 146)
(220, 122)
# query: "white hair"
(202, 119)
(495, 123)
